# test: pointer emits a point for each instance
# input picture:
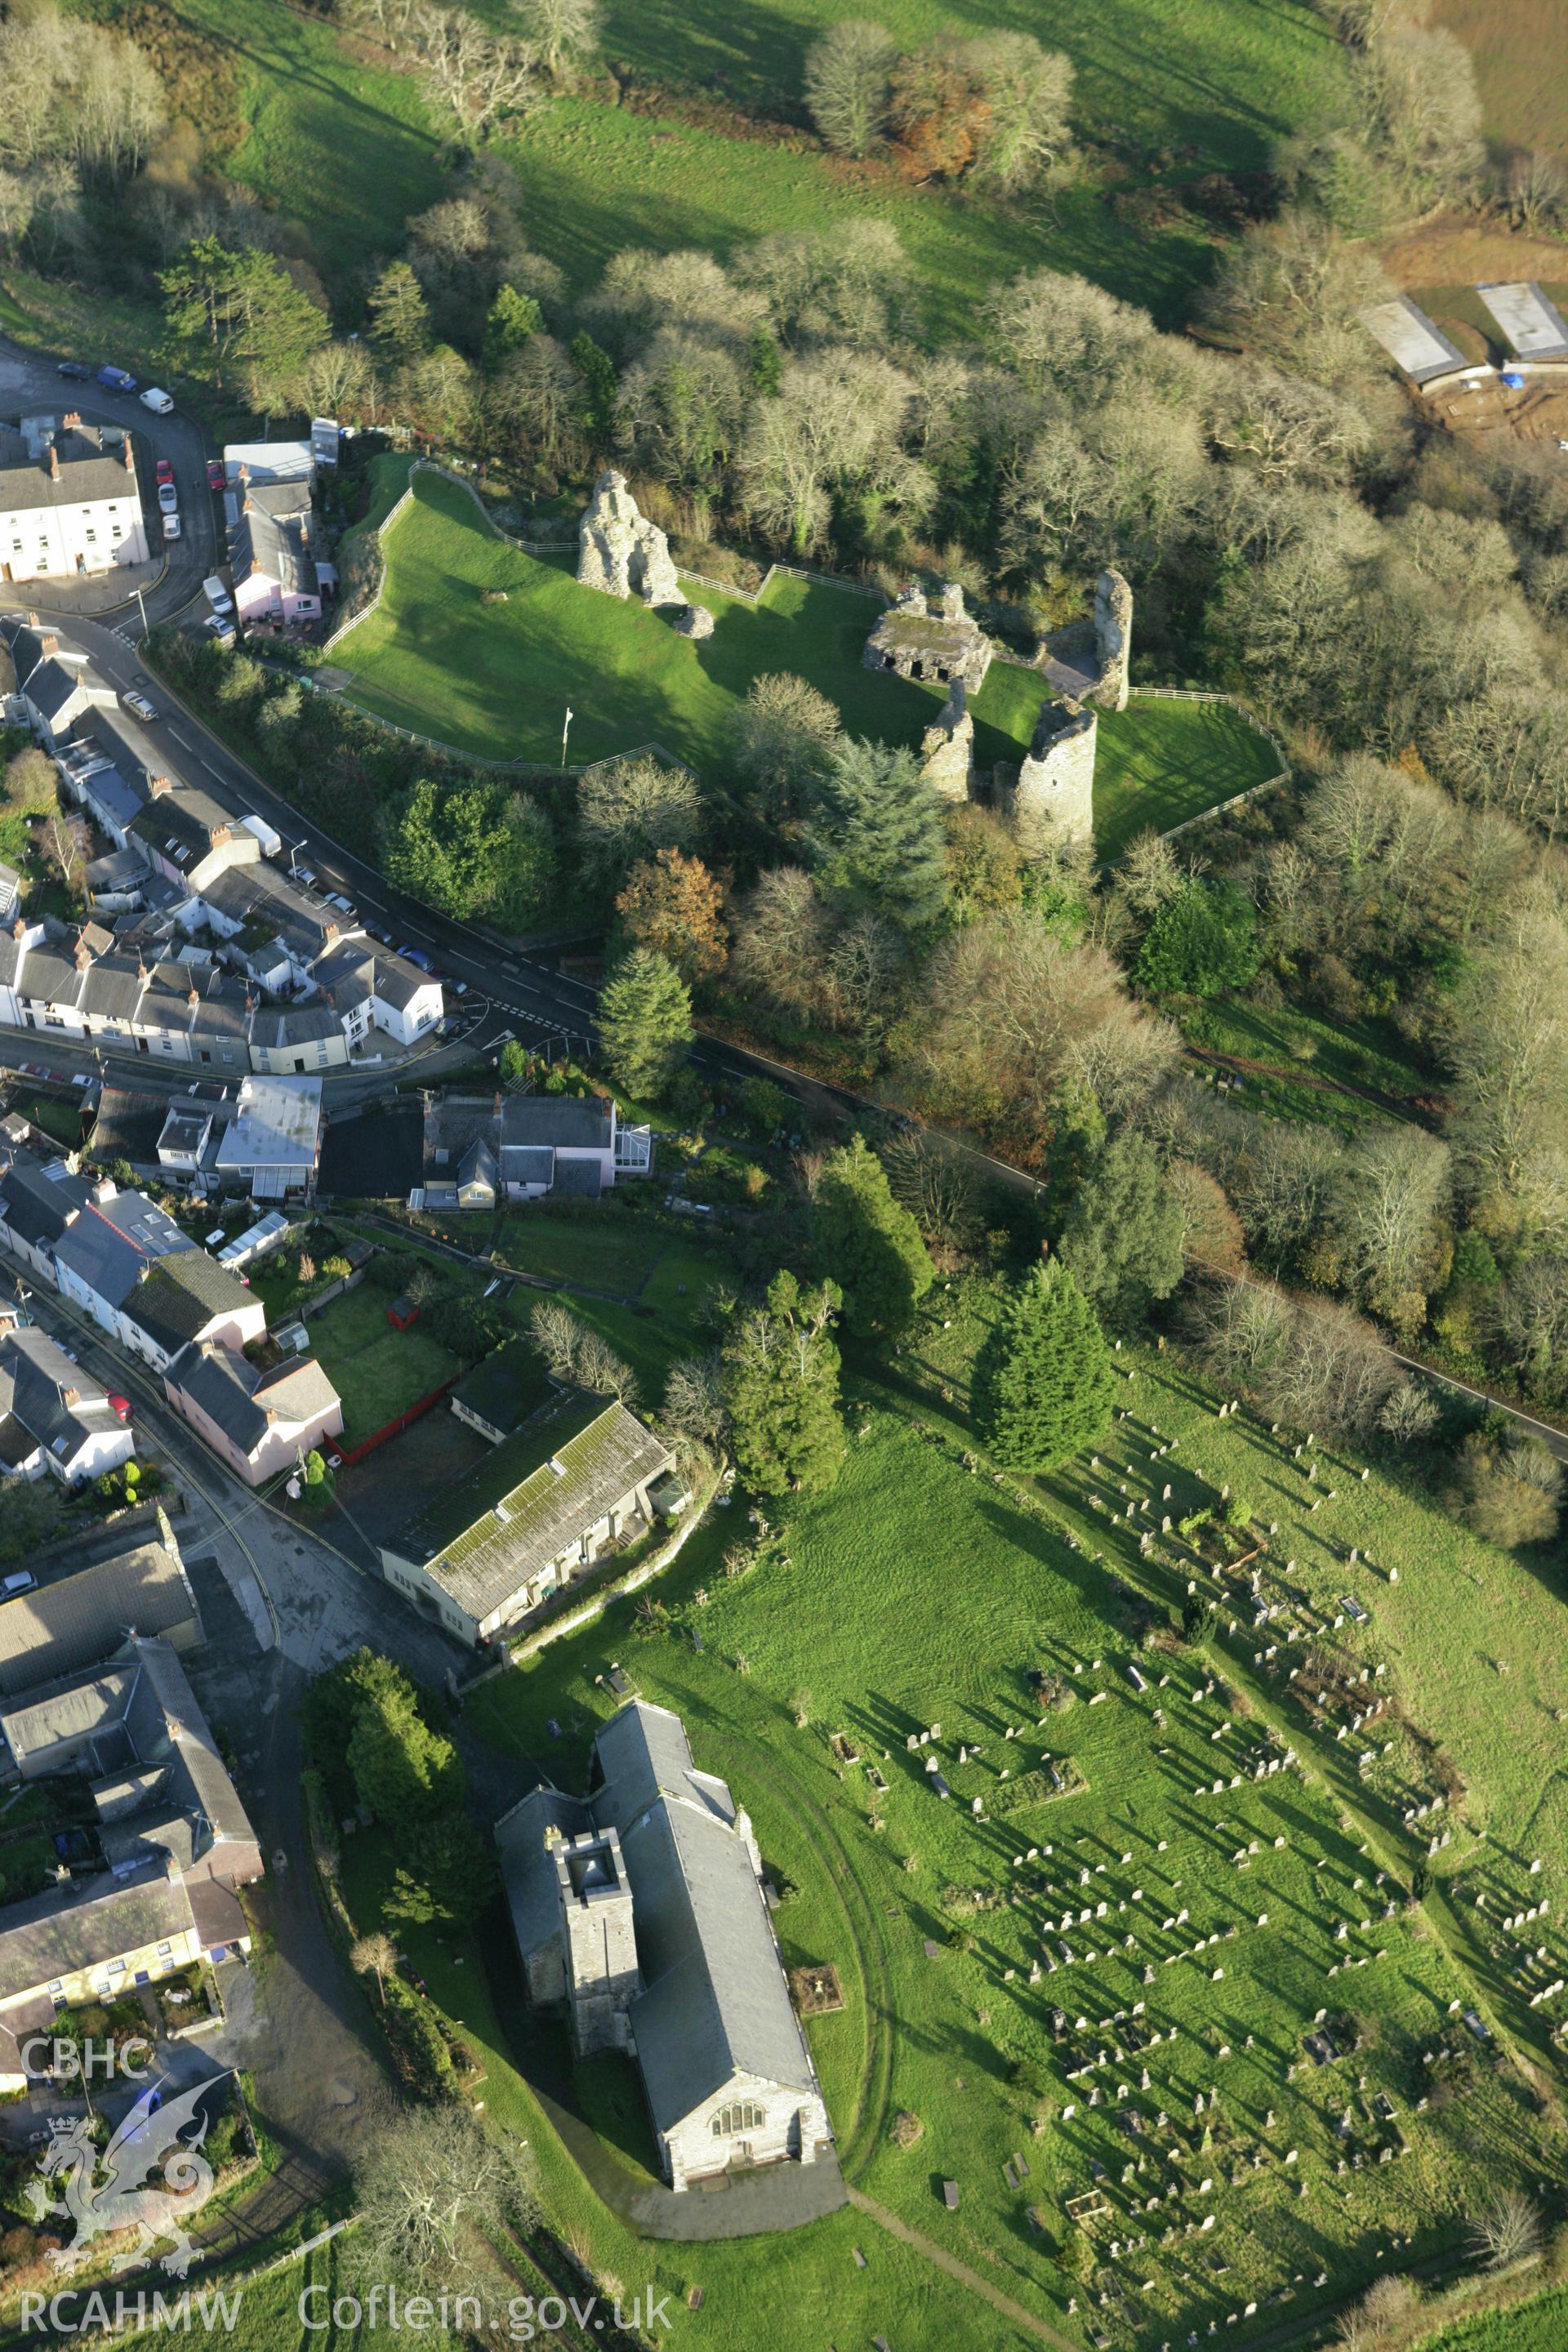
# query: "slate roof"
(583, 1177)
(129, 1124)
(38, 1201)
(272, 547)
(506, 1387)
(139, 1711)
(564, 1121)
(182, 1296)
(234, 1395)
(181, 825)
(78, 1617)
(301, 1024)
(88, 471)
(59, 1932)
(50, 979)
(528, 1163)
(52, 685)
(397, 981)
(715, 2003)
(486, 1536)
(267, 903)
(59, 1404)
(111, 990)
(520, 1844)
(111, 1242)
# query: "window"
(91, 538)
(740, 2115)
(117, 534)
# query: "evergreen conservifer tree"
(869, 1243)
(1047, 1384)
(780, 1389)
(645, 1023)
(878, 838)
(1121, 1240)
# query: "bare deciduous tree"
(557, 1334)
(565, 32)
(429, 2184)
(374, 1953)
(476, 76)
(849, 78)
(694, 1412)
(1505, 2228)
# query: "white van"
(216, 594)
(159, 401)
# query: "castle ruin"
(1113, 639)
(947, 747)
(943, 644)
(1053, 799)
(620, 552)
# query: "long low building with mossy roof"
(536, 1513)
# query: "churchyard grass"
(496, 679)
(919, 1590)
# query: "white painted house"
(70, 505)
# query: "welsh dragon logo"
(109, 2192)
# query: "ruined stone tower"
(1053, 800)
(1113, 639)
(947, 747)
(620, 552)
(602, 1978)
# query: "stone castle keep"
(1050, 797)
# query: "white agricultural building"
(1528, 322)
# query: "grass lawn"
(1364, 1053)
(1540, 2326)
(496, 679)
(919, 1590)
(378, 1371)
(607, 1251)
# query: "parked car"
(138, 702)
(418, 956)
(222, 628)
(158, 401)
(216, 478)
(122, 1408)
(75, 370)
(115, 379)
(168, 496)
(171, 525)
(164, 470)
(344, 906)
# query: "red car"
(166, 470)
(216, 478)
(122, 1408)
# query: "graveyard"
(1108, 1800)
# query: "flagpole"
(567, 723)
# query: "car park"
(75, 370)
(164, 470)
(114, 379)
(138, 703)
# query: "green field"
(496, 679)
(1309, 1061)
(344, 149)
(919, 1590)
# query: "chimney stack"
(49, 643)
(54, 463)
(71, 422)
(158, 785)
